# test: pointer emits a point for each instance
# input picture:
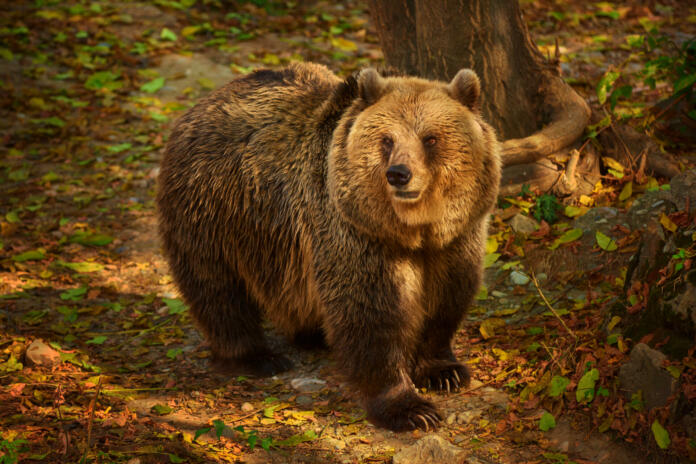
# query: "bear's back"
(236, 186)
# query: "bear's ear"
(466, 88)
(370, 85)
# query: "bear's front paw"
(442, 375)
(403, 411)
(262, 364)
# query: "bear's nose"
(398, 175)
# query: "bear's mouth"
(407, 195)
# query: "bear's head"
(412, 160)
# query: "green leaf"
(251, 441)
(84, 238)
(585, 391)
(266, 443)
(19, 174)
(490, 258)
(82, 267)
(73, 294)
(661, 435)
(11, 365)
(294, 440)
(547, 422)
(161, 409)
(569, 236)
(558, 385)
(174, 352)
(684, 82)
(120, 147)
(175, 459)
(175, 305)
(626, 191)
(219, 427)
(154, 85)
(200, 432)
(103, 80)
(604, 84)
(605, 242)
(167, 34)
(32, 255)
(98, 340)
(13, 217)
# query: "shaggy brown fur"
(275, 201)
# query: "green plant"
(10, 450)
(546, 208)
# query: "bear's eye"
(387, 142)
(430, 141)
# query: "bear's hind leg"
(231, 322)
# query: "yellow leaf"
(489, 326)
(667, 223)
(190, 30)
(575, 211)
(611, 163)
(585, 200)
(491, 245)
(206, 83)
(506, 312)
(525, 205)
(343, 44)
(614, 320)
(501, 354)
(626, 191)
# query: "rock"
(247, 407)
(304, 401)
(450, 419)
(307, 384)
(430, 449)
(601, 219)
(522, 224)
(648, 208)
(40, 354)
(467, 417)
(683, 189)
(519, 278)
(593, 447)
(644, 372)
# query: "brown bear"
(353, 209)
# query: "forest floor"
(89, 93)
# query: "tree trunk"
(534, 111)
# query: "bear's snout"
(398, 175)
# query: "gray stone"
(307, 384)
(431, 449)
(40, 354)
(304, 401)
(683, 188)
(467, 417)
(519, 278)
(602, 219)
(522, 224)
(644, 372)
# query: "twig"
(92, 407)
(57, 403)
(548, 305)
(551, 355)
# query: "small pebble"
(247, 407)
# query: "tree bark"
(535, 113)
